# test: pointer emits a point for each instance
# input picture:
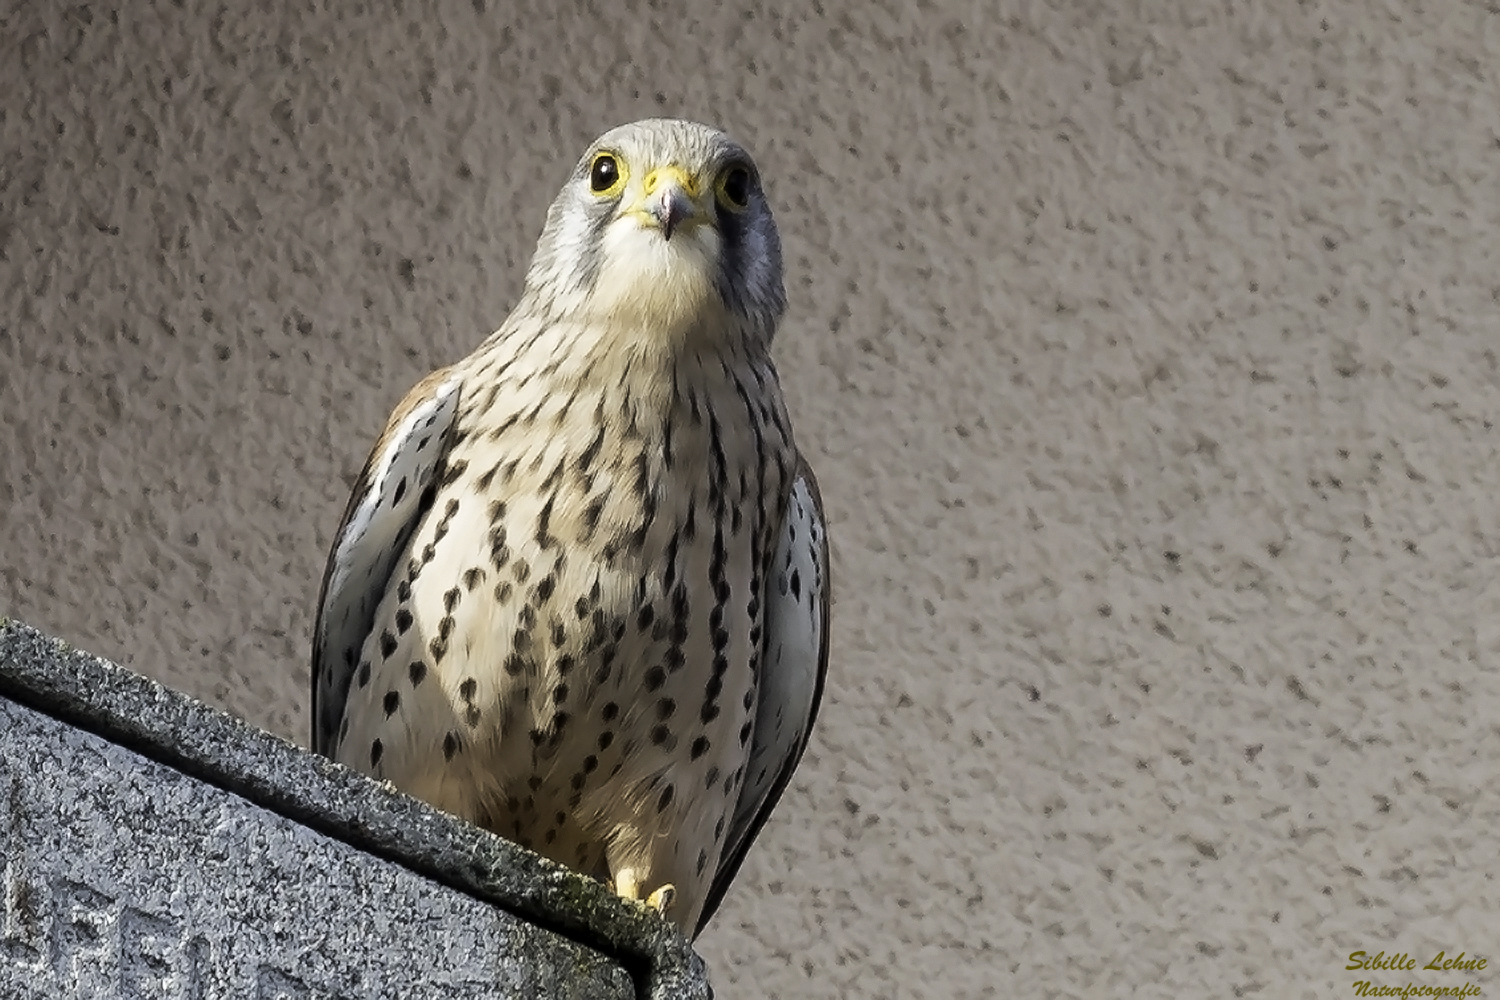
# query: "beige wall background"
(1147, 352)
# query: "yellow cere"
(684, 180)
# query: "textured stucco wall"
(1147, 352)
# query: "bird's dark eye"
(604, 174)
(734, 187)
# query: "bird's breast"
(616, 539)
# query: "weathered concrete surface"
(153, 847)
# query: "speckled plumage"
(569, 600)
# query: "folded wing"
(391, 497)
(794, 660)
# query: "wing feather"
(794, 661)
(389, 500)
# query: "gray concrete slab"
(153, 847)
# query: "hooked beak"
(670, 201)
(670, 207)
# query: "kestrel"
(580, 594)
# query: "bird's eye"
(604, 175)
(734, 188)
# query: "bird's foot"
(627, 885)
(662, 899)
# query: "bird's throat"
(656, 288)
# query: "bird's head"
(663, 226)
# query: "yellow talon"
(627, 886)
(662, 899)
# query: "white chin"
(667, 284)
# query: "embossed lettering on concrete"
(125, 879)
(20, 919)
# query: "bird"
(580, 594)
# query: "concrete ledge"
(153, 846)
